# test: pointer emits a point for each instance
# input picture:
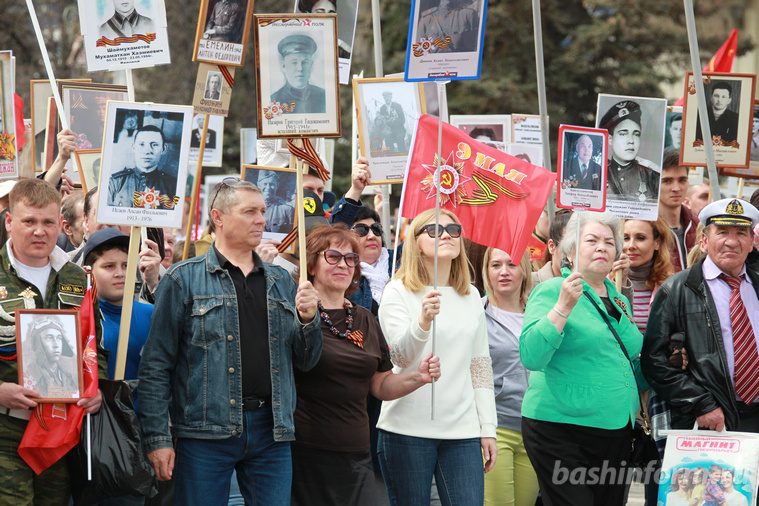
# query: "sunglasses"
(362, 229)
(333, 257)
(227, 181)
(453, 229)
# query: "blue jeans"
(203, 468)
(408, 464)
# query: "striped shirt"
(641, 307)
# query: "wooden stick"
(195, 191)
(126, 308)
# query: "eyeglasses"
(227, 181)
(333, 257)
(362, 229)
(453, 229)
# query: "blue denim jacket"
(191, 362)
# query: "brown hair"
(33, 193)
(320, 239)
(524, 266)
(102, 250)
(661, 267)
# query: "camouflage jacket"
(65, 290)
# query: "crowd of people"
(256, 387)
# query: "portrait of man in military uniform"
(126, 21)
(391, 120)
(226, 21)
(457, 19)
(296, 60)
(49, 358)
(723, 104)
(126, 186)
(275, 189)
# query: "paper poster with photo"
(730, 110)
(144, 166)
(673, 132)
(248, 141)
(222, 33)
(347, 13)
(278, 187)
(88, 167)
(213, 89)
(752, 171)
(124, 33)
(50, 353)
(525, 129)
(296, 76)
(636, 148)
(8, 151)
(387, 111)
(84, 105)
(484, 127)
(582, 160)
(709, 467)
(214, 140)
(445, 39)
(530, 153)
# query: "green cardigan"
(580, 376)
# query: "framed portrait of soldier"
(674, 129)
(124, 33)
(144, 166)
(347, 13)
(636, 146)
(8, 134)
(730, 111)
(297, 76)
(484, 127)
(50, 353)
(445, 39)
(222, 33)
(214, 140)
(387, 111)
(278, 187)
(213, 89)
(84, 105)
(88, 167)
(581, 175)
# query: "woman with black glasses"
(331, 459)
(376, 260)
(451, 445)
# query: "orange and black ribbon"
(309, 155)
(227, 75)
(288, 240)
(103, 41)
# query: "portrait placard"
(582, 160)
(248, 141)
(730, 108)
(387, 111)
(347, 13)
(144, 167)
(88, 167)
(222, 34)
(124, 33)
(8, 134)
(636, 147)
(445, 39)
(84, 105)
(525, 129)
(279, 189)
(296, 76)
(484, 127)
(50, 353)
(673, 132)
(214, 140)
(213, 89)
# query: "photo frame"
(278, 187)
(88, 163)
(484, 127)
(248, 152)
(347, 14)
(582, 168)
(50, 353)
(525, 129)
(8, 134)
(284, 44)
(729, 98)
(213, 89)
(674, 128)
(144, 165)
(636, 148)
(223, 31)
(432, 54)
(387, 111)
(120, 35)
(214, 140)
(84, 105)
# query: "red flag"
(497, 197)
(722, 61)
(20, 127)
(55, 428)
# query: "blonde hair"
(696, 253)
(524, 266)
(412, 271)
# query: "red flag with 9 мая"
(497, 197)
(54, 429)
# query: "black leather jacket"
(685, 304)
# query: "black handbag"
(643, 447)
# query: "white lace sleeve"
(481, 370)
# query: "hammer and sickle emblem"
(309, 204)
(446, 179)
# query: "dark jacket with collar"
(684, 303)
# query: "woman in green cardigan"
(582, 398)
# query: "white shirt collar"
(58, 258)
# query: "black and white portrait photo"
(582, 163)
(296, 54)
(49, 353)
(278, 188)
(223, 21)
(755, 135)
(144, 163)
(722, 105)
(212, 153)
(213, 86)
(456, 19)
(126, 21)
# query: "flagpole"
(88, 271)
(542, 102)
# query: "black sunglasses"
(333, 257)
(362, 229)
(453, 229)
(227, 181)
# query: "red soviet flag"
(722, 61)
(54, 430)
(497, 197)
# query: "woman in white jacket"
(412, 445)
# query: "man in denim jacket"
(223, 340)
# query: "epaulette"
(122, 173)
